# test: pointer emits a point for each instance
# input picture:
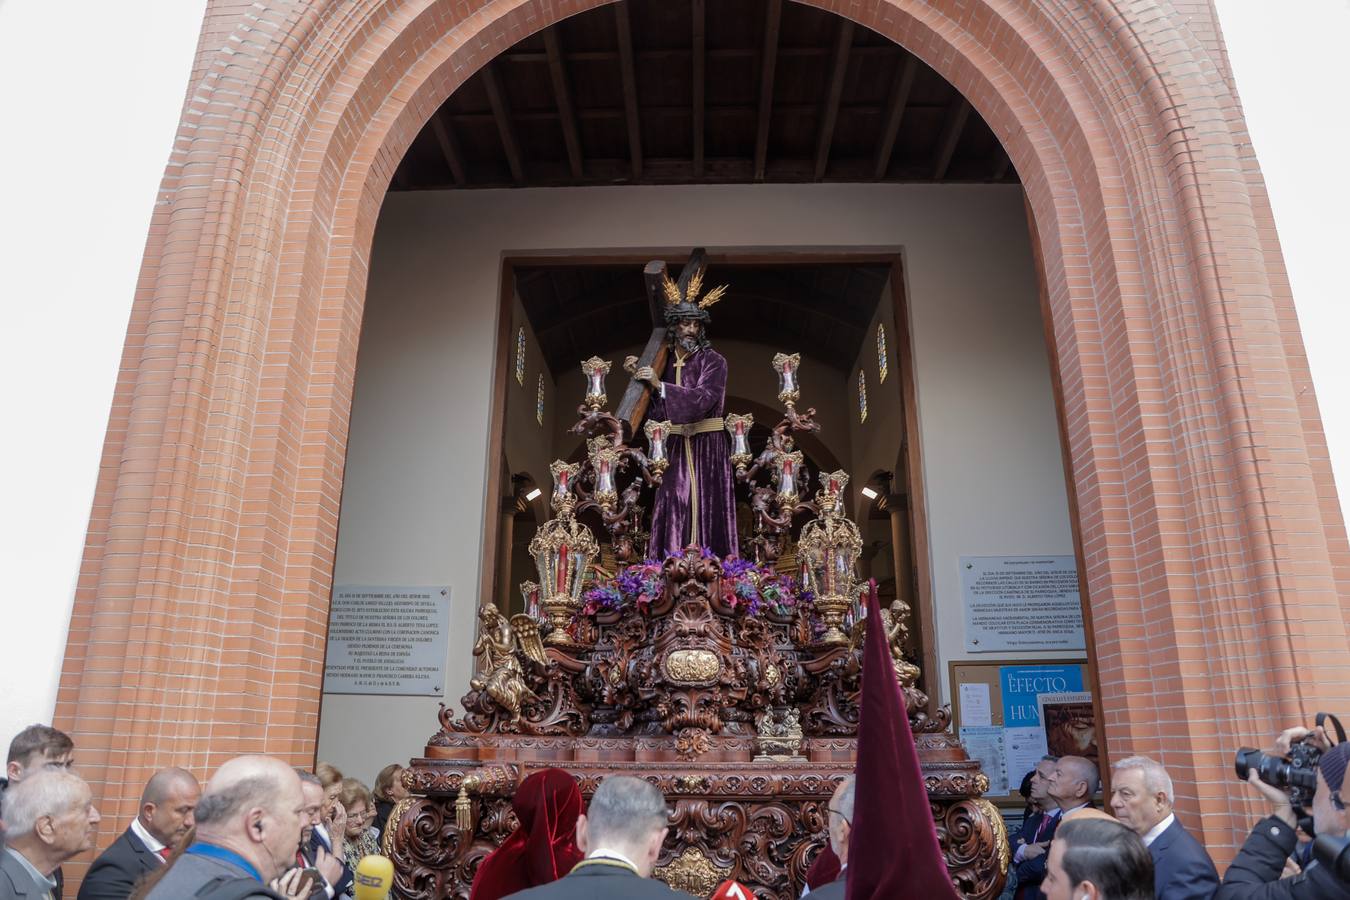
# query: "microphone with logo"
(732, 890)
(373, 878)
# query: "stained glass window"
(539, 401)
(881, 353)
(520, 356)
(862, 395)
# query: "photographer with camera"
(1308, 772)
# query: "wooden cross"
(638, 395)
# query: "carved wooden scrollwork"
(684, 694)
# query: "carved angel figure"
(502, 678)
(897, 629)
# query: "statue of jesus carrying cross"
(695, 504)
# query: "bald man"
(248, 826)
(165, 816)
(1072, 782)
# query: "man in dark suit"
(621, 834)
(167, 805)
(1072, 782)
(1141, 798)
(50, 818)
(248, 826)
(841, 826)
(1038, 828)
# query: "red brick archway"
(1216, 559)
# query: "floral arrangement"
(637, 585)
(751, 589)
(747, 588)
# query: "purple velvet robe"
(701, 394)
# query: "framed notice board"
(1010, 713)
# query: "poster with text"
(1021, 603)
(1024, 730)
(985, 743)
(1070, 724)
(387, 640)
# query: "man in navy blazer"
(621, 834)
(165, 816)
(1141, 798)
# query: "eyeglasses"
(846, 819)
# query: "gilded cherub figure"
(501, 678)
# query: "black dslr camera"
(1296, 774)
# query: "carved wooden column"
(506, 533)
(897, 505)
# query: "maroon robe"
(700, 394)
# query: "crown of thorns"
(686, 303)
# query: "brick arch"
(1199, 472)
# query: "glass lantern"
(564, 477)
(562, 549)
(738, 426)
(789, 388)
(595, 369)
(789, 466)
(529, 593)
(829, 548)
(657, 432)
(832, 491)
(604, 459)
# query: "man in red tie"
(165, 816)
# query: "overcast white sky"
(85, 147)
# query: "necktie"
(1040, 829)
(165, 853)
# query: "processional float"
(730, 684)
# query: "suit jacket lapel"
(1164, 840)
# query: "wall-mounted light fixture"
(533, 495)
(869, 493)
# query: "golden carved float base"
(761, 823)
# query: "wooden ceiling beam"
(830, 114)
(566, 114)
(445, 139)
(502, 113)
(630, 97)
(895, 113)
(773, 17)
(951, 133)
(666, 54)
(700, 42)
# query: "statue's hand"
(630, 364)
(648, 375)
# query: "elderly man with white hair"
(1141, 798)
(50, 817)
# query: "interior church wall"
(414, 500)
(524, 443)
(876, 442)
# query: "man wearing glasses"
(841, 825)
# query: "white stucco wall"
(413, 503)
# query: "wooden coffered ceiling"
(822, 310)
(702, 91)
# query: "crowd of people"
(260, 828)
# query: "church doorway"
(1176, 361)
(863, 217)
(841, 312)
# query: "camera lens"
(1246, 758)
